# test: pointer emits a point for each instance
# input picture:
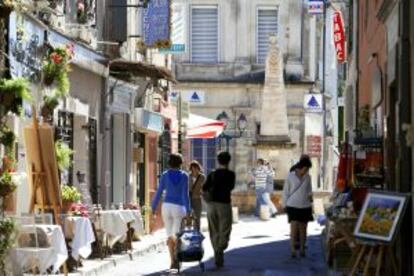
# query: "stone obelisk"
(274, 119)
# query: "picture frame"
(380, 216)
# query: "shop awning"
(124, 69)
(199, 127)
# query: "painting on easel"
(42, 169)
(380, 216)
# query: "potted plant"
(12, 94)
(7, 231)
(70, 195)
(6, 7)
(56, 67)
(63, 155)
(49, 104)
(7, 138)
(7, 184)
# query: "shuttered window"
(266, 25)
(204, 34)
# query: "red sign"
(313, 145)
(339, 36)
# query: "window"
(204, 34)
(205, 151)
(266, 26)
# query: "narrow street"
(256, 248)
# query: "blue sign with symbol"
(313, 103)
(156, 22)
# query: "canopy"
(200, 127)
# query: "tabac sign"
(339, 36)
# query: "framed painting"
(380, 216)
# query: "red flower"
(57, 59)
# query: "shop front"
(147, 164)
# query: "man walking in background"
(261, 175)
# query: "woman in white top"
(297, 201)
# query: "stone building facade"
(227, 44)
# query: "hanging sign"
(313, 103)
(315, 7)
(339, 36)
(313, 145)
(156, 24)
(177, 31)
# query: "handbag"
(208, 195)
(193, 186)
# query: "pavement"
(256, 248)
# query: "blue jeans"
(263, 198)
(259, 200)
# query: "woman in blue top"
(176, 203)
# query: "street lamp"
(241, 125)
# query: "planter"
(48, 80)
(6, 190)
(66, 205)
(5, 11)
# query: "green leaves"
(70, 193)
(63, 155)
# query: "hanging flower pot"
(5, 9)
(7, 185)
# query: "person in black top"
(219, 185)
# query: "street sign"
(194, 97)
(175, 48)
(313, 103)
(315, 7)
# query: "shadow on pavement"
(269, 259)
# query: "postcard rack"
(369, 163)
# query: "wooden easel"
(373, 250)
(43, 171)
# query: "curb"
(98, 267)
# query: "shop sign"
(177, 31)
(156, 23)
(313, 145)
(313, 103)
(148, 120)
(339, 36)
(315, 7)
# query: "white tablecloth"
(80, 230)
(115, 223)
(43, 258)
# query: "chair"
(41, 218)
(31, 248)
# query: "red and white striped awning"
(200, 127)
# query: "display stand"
(376, 254)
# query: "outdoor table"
(26, 258)
(116, 224)
(79, 230)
